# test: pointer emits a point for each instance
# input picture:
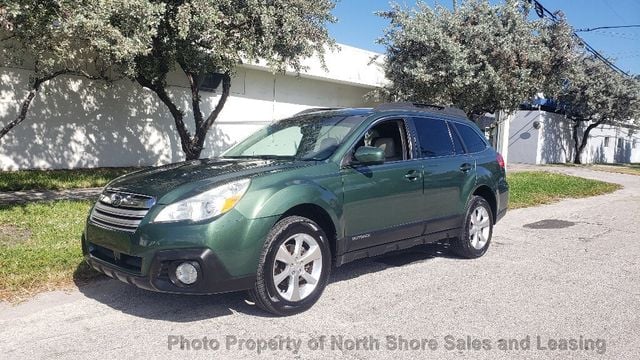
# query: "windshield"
(310, 137)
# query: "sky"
(358, 25)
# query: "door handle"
(412, 175)
(465, 167)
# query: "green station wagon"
(277, 211)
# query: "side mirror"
(369, 155)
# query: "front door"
(383, 203)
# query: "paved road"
(575, 283)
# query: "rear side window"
(472, 140)
(434, 137)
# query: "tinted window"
(434, 137)
(471, 139)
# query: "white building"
(75, 123)
(540, 137)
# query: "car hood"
(168, 182)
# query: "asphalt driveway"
(559, 281)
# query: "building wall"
(556, 145)
(619, 148)
(74, 122)
(553, 142)
(523, 138)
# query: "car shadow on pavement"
(189, 308)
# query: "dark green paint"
(400, 199)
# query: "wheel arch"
(320, 216)
(486, 193)
(305, 199)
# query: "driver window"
(391, 137)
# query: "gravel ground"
(556, 276)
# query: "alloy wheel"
(297, 267)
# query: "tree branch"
(178, 115)
(195, 97)
(226, 89)
(201, 131)
(7, 38)
(26, 103)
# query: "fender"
(292, 194)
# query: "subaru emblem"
(116, 200)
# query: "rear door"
(383, 203)
(448, 173)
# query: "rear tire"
(294, 267)
(477, 230)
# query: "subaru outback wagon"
(277, 211)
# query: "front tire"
(477, 230)
(294, 267)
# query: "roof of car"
(438, 110)
(397, 107)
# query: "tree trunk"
(26, 103)
(178, 116)
(580, 144)
(576, 142)
(191, 145)
(201, 131)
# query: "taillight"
(500, 160)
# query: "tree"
(202, 37)
(85, 38)
(596, 95)
(480, 57)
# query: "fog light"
(186, 273)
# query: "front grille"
(132, 263)
(119, 210)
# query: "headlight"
(204, 206)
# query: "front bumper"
(213, 277)
(226, 250)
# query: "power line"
(541, 11)
(608, 27)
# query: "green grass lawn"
(40, 242)
(58, 179)
(40, 247)
(531, 188)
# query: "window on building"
(606, 141)
(620, 143)
(635, 143)
(210, 82)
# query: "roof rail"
(312, 110)
(421, 107)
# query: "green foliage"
(202, 37)
(531, 188)
(81, 37)
(479, 57)
(594, 92)
(59, 179)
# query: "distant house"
(74, 122)
(543, 137)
